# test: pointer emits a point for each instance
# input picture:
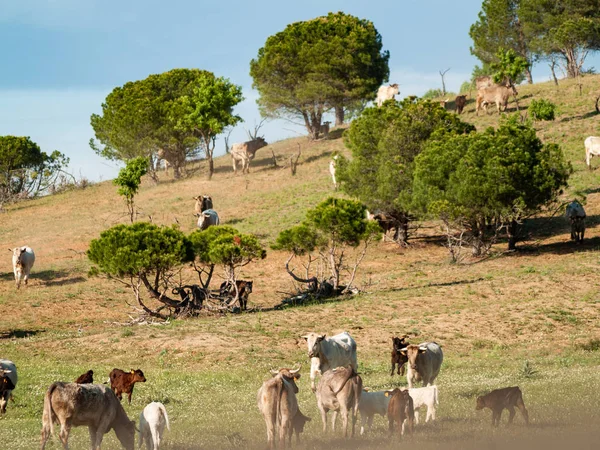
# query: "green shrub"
(542, 109)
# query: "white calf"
(372, 403)
(592, 148)
(425, 396)
(152, 424)
(23, 259)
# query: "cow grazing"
(386, 93)
(203, 202)
(23, 259)
(86, 378)
(372, 403)
(494, 94)
(576, 215)
(424, 362)
(327, 353)
(592, 148)
(122, 382)
(397, 356)
(400, 410)
(152, 425)
(332, 166)
(91, 405)
(278, 404)
(460, 102)
(298, 425)
(424, 396)
(244, 152)
(500, 399)
(340, 390)
(207, 219)
(8, 382)
(244, 289)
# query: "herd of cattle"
(339, 390)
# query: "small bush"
(593, 345)
(542, 109)
(527, 371)
(432, 93)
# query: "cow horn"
(274, 372)
(402, 349)
(305, 336)
(423, 348)
(295, 371)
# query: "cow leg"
(363, 420)
(393, 367)
(323, 418)
(155, 438)
(523, 410)
(512, 412)
(283, 433)
(93, 431)
(417, 416)
(45, 434)
(334, 414)
(129, 396)
(65, 429)
(496, 415)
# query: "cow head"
(125, 430)
(138, 376)
(412, 352)
(6, 383)
(289, 375)
(313, 341)
(398, 343)
(480, 403)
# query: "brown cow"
(94, 405)
(494, 94)
(244, 153)
(277, 402)
(122, 382)
(460, 102)
(244, 289)
(339, 390)
(401, 410)
(397, 356)
(203, 202)
(86, 378)
(500, 399)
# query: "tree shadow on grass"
(19, 334)
(57, 277)
(579, 117)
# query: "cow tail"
(48, 416)
(164, 413)
(436, 396)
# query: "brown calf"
(122, 382)
(397, 356)
(500, 399)
(400, 409)
(86, 378)
(244, 289)
(460, 102)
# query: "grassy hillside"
(540, 304)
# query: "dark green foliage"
(499, 176)
(178, 113)
(542, 109)
(26, 170)
(129, 180)
(330, 228)
(384, 142)
(335, 61)
(500, 26)
(125, 251)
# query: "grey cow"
(424, 362)
(340, 390)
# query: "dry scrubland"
(540, 304)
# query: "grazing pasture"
(529, 318)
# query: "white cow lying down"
(372, 403)
(152, 424)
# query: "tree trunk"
(339, 115)
(512, 231)
(528, 75)
(401, 234)
(552, 66)
(211, 167)
(478, 234)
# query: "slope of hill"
(539, 304)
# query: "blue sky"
(62, 57)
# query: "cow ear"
(305, 337)
(322, 337)
(387, 394)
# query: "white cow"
(386, 93)
(424, 396)
(207, 218)
(576, 214)
(332, 165)
(372, 403)
(592, 148)
(328, 353)
(8, 381)
(424, 362)
(23, 259)
(152, 424)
